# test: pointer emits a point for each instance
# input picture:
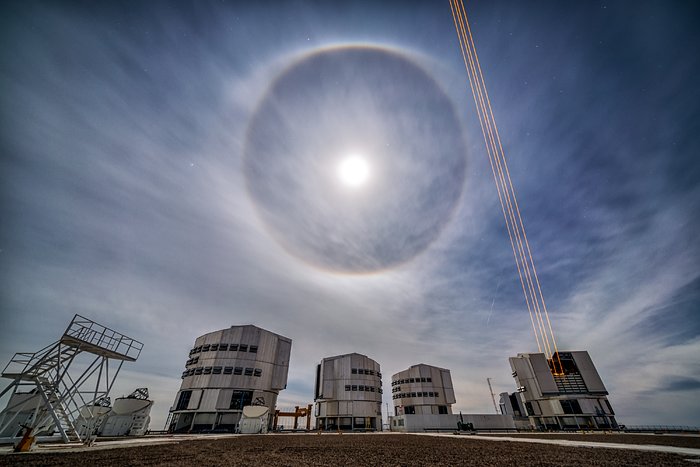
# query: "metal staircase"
(49, 358)
(70, 378)
(55, 411)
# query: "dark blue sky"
(125, 134)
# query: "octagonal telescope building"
(225, 371)
(422, 390)
(348, 393)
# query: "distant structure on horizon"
(227, 370)
(348, 393)
(574, 399)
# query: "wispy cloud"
(125, 198)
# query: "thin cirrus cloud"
(125, 198)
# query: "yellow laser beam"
(522, 253)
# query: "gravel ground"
(662, 440)
(347, 449)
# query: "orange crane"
(298, 413)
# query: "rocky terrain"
(345, 449)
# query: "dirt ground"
(347, 449)
(663, 440)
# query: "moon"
(353, 171)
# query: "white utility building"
(574, 399)
(227, 370)
(254, 420)
(348, 393)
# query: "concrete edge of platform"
(583, 444)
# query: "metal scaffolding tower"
(71, 377)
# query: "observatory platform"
(63, 382)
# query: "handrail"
(90, 332)
(83, 330)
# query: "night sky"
(170, 169)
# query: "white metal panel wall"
(604, 406)
(319, 379)
(334, 408)
(521, 406)
(504, 403)
(418, 423)
(209, 399)
(342, 366)
(525, 377)
(268, 347)
(543, 374)
(588, 406)
(447, 387)
(281, 368)
(328, 378)
(329, 389)
(588, 372)
(365, 408)
(232, 335)
(551, 407)
(224, 398)
(194, 399)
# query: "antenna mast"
(493, 396)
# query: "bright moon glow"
(353, 171)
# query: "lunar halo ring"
(351, 97)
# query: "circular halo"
(376, 110)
